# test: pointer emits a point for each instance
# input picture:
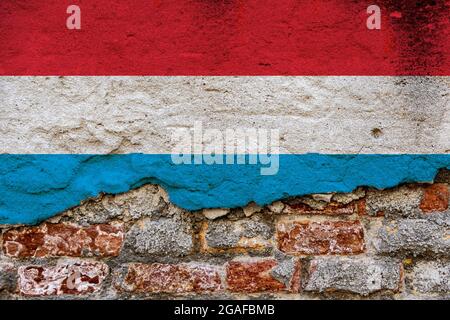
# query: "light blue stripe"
(36, 187)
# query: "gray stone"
(361, 275)
(161, 237)
(284, 270)
(226, 234)
(432, 277)
(429, 235)
(403, 201)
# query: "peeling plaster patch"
(215, 213)
(36, 187)
(251, 209)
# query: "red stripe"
(224, 37)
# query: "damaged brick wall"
(368, 244)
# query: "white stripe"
(138, 114)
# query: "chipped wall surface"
(369, 244)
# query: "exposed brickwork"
(73, 278)
(166, 278)
(435, 198)
(391, 244)
(316, 238)
(63, 240)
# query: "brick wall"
(368, 244)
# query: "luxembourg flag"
(221, 102)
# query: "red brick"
(74, 278)
(316, 238)
(435, 198)
(361, 207)
(331, 209)
(63, 240)
(253, 276)
(167, 278)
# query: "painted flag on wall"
(220, 102)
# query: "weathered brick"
(361, 275)
(361, 207)
(167, 278)
(161, 237)
(235, 236)
(432, 277)
(74, 278)
(327, 237)
(63, 240)
(414, 236)
(330, 209)
(435, 198)
(253, 276)
(398, 202)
